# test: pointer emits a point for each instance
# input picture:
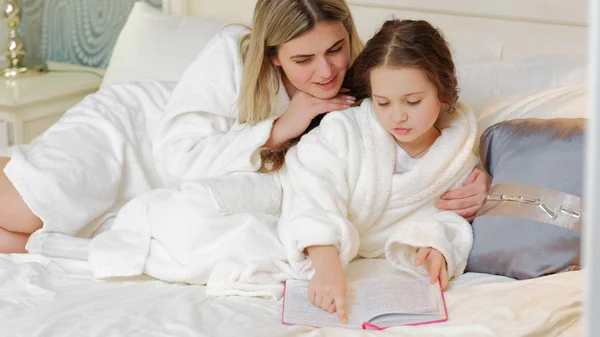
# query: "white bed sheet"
(44, 297)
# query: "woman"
(230, 113)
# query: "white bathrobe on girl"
(340, 189)
(165, 177)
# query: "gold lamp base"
(13, 72)
(18, 64)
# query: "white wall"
(513, 29)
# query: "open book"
(374, 303)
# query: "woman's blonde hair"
(275, 23)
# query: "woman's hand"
(467, 200)
(435, 263)
(327, 288)
(301, 111)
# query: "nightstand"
(29, 105)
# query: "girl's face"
(316, 61)
(406, 104)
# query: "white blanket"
(340, 189)
(199, 234)
(40, 297)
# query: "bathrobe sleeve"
(198, 135)
(316, 194)
(445, 231)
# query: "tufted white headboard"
(508, 29)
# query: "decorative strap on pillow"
(536, 203)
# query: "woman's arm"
(468, 199)
(197, 136)
(303, 112)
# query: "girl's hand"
(301, 111)
(467, 200)
(327, 288)
(435, 263)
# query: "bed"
(531, 56)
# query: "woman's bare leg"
(17, 221)
(12, 242)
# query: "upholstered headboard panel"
(511, 29)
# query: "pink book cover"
(369, 326)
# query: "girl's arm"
(443, 231)
(315, 197)
(435, 263)
(447, 232)
(314, 228)
(327, 288)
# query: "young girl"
(365, 182)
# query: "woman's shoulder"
(233, 32)
(227, 38)
(214, 75)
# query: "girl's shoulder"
(462, 116)
(464, 108)
(348, 122)
(352, 115)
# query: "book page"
(299, 310)
(415, 299)
(397, 296)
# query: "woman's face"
(316, 61)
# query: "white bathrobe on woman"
(167, 175)
(339, 188)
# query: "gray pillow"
(530, 223)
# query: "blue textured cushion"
(542, 155)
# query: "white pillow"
(154, 45)
(562, 102)
(527, 76)
(469, 53)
